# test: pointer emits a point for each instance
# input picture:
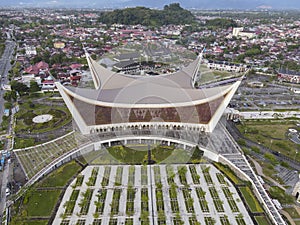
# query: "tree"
(10, 95)
(34, 87)
(171, 14)
(197, 154)
(19, 87)
(8, 105)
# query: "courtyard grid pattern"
(156, 194)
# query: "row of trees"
(171, 14)
(221, 23)
(18, 88)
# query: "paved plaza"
(157, 194)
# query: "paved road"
(5, 66)
(5, 175)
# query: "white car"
(7, 192)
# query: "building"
(240, 32)
(288, 76)
(255, 84)
(169, 101)
(59, 45)
(30, 50)
(227, 66)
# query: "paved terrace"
(152, 187)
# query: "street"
(5, 66)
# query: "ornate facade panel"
(99, 115)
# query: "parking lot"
(273, 95)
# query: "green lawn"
(41, 203)
(279, 194)
(31, 222)
(208, 75)
(24, 123)
(293, 213)
(251, 201)
(38, 202)
(261, 220)
(177, 156)
(271, 134)
(61, 176)
(138, 154)
(229, 173)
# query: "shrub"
(271, 158)
(241, 142)
(255, 149)
(280, 195)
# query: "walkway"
(184, 191)
(290, 219)
(260, 173)
(240, 162)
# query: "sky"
(200, 4)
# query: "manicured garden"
(26, 130)
(252, 202)
(177, 188)
(261, 220)
(139, 154)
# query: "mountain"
(201, 4)
(171, 14)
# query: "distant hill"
(171, 14)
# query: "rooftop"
(176, 88)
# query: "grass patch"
(229, 173)
(178, 156)
(261, 220)
(61, 176)
(292, 212)
(250, 199)
(28, 111)
(31, 222)
(139, 154)
(24, 142)
(271, 134)
(209, 76)
(41, 203)
(280, 195)
(38, 202)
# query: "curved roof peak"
(106, 79)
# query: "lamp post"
(271, 141)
